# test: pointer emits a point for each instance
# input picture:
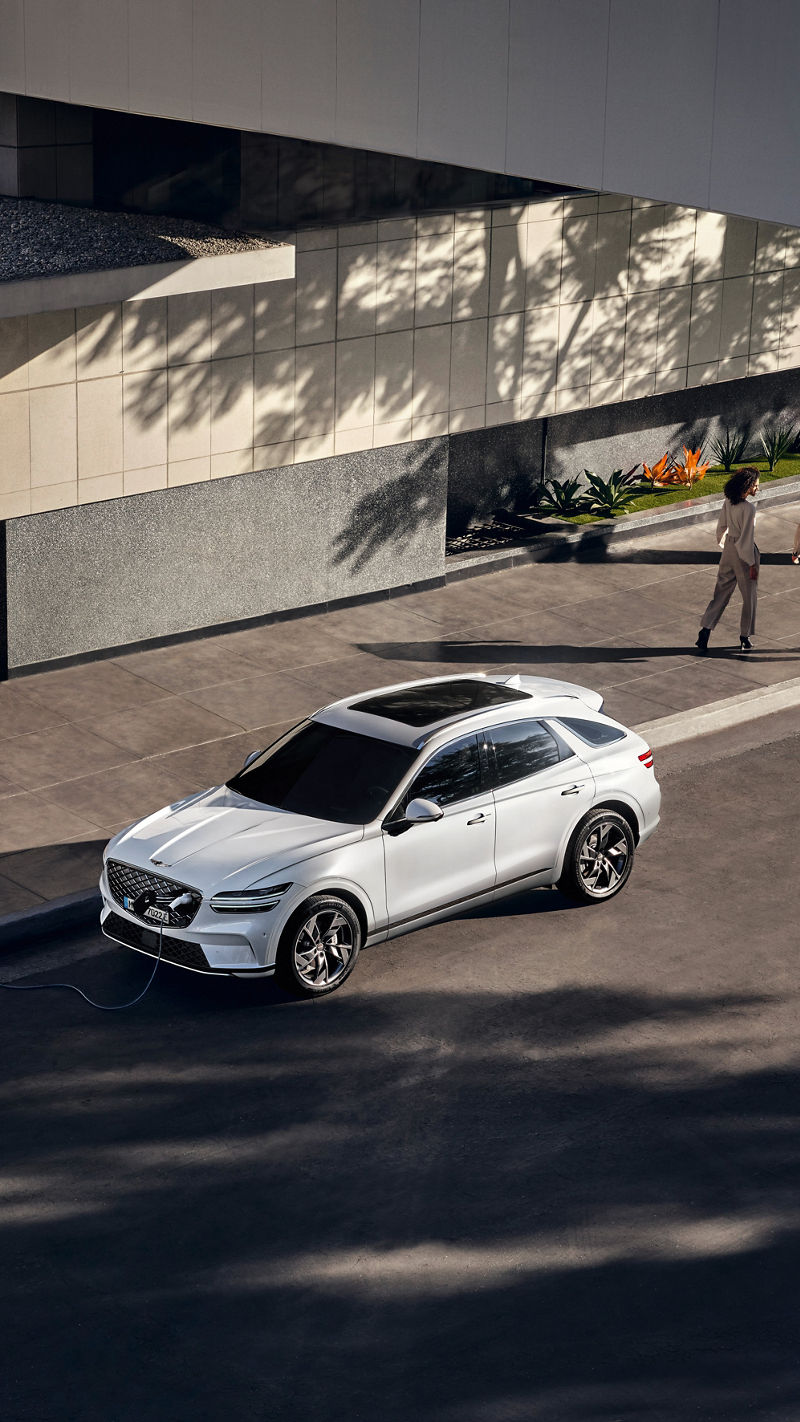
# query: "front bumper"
(206, 946)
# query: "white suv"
(382, 812)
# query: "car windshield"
(326, 772)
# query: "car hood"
(220, 835)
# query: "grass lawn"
(713, 483)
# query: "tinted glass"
(322, 771)
(452, 774)
(521, 749)
(594, 733)
(423, 705)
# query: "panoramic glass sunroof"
(422, 705)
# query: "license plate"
(159, 915)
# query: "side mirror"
(252, 756)
(420, 812)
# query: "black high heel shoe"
(702, 639)
(745, 645)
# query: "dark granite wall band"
(610, 437)
(501, 467)
(492, 469)
(109, 574)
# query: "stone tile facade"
(392, 331)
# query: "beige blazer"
(737, 524)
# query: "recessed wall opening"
(249, 181)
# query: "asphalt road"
(538, 1164)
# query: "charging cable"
(180, 902)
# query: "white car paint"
(497, 842)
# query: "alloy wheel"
(603, 858)
(323, 948)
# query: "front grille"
(125, 881)
(173, 950)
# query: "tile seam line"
(123, 711)
(138, 760)
(755, 694)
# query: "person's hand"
(754, 571)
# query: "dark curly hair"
(739, 485)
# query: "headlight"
(248, 900)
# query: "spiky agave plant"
(777, 441)
(609, 497)
(730, 448)
(563, 497)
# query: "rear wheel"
(319, 947)
(599, 859)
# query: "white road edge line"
(719, 715)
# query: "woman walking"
(740, 559)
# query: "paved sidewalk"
(85, 750)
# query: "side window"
(452, 773)
(521, 749)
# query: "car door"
(539, 786)
(442, 862)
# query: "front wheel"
(599, 858)
(319, 947)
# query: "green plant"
(777, 441)
(609, 497)
(628, 479)
(563, 496)
(731, 449)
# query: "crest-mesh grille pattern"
(126, 881)
(173, 950)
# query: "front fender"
(337, 884)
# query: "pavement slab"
(84, 749)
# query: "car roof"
(392, 713)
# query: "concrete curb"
(72, 911)
(561, 546)
(719, 715)
(83, 908)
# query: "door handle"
(477, 819)
(573, 790)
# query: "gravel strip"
(53, 239)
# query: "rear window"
(594, 733)
(327, 773)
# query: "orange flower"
(656, 474)
(692, 469)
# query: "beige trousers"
(733, 570)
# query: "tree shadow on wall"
(535, 304)
(394, 514)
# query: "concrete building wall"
(169, 561)
(391, 332)
(695, 101)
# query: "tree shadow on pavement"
(458, 1205)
